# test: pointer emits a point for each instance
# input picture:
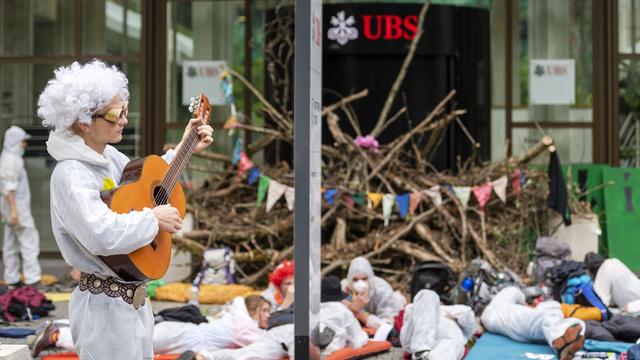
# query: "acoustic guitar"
(146, 183)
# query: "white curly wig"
(77, 91)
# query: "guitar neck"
(181, 160)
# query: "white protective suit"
(508, 315)
(441, 329)
(615, 284)
(348, 332)
(277, 343)
(22, 240)
(84, 227)
(234, 329)
(384, 303)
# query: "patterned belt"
(134, 294)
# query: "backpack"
(585, 295)
(435, 276)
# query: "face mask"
(360, 286)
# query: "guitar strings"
(181, 159)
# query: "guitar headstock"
(200, 108)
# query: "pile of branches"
(226, 213)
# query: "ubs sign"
(374, 27)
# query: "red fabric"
(397, 320)
(372, 348)
(27, 295)
(282, 271)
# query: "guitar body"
(140, 183)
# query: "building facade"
(151, 39)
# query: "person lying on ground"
(429, 330)
(280, 292)
(243, 324)
(345, 331)
(507, 314)
(614, 282)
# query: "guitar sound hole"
(160, 195)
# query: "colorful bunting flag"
(275, 192)
(254, 175)
(329, 195)
(359, 199)
(515, 182)
(245, 164)
(348, 201)
(387, 207)
(263, 186)
(289, 195)
(237, 149)
(483, 194)
(402, 201)
(374, 200)
(435, 194)
(231, 124)
(414, 201)
(462, 193)
(500, 187)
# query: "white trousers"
(23, 242)
(506, 315)
(424, 328)
(278, 343)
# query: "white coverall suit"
(426, 324)
(22, 240)
(84, 228)
(616, 284)
(441, 329)
(348, 333)
(508, 315)
(234, 329)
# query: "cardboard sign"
(552, 82)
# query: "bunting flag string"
(387, 207)
(254, 175)
(237, 149)
(374, 200)
(483, 194)
(462, 193)
(329, 195)
(289, 195)
(402, 201)
(226, 85)
(359, 199)
(435, 194)
(263, 186)
(414, 202)
(500, 187)
(274, 193)
(244, 164)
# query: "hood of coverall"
(64, 145)
(361, 265)
(13, 138)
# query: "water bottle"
(467, 284)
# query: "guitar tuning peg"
(193, 99)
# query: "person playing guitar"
(86, 107)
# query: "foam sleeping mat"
(492, 346)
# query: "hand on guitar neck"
(205, 134)
(168, 218)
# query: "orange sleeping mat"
(370, 331)
(372, 348)
(74, 356)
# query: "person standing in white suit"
(21, 238)
(87, 106)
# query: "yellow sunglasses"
(114, 115)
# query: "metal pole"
(307, 158)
